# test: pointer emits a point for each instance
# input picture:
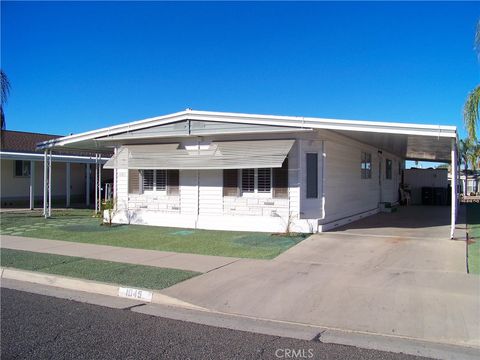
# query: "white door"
(311, 186)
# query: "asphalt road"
(39, 327)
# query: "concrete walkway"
(192, 262)
(401, 281)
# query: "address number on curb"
(135, 294)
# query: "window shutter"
(173, 182)
(230, 182)
(134, 181)
(280, 180)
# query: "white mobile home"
(231, 171)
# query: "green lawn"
(105, 271)
(80, 226)
(473, 221)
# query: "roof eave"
(290, 121)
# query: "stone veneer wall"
(255, 206)
(158, 202)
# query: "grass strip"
(79, 226)
(473, 221)
(141, 276)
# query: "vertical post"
(454, 188)
(50, 184)
(458, 182)
(67, 190)
(32, 184)
(87, 184)
(96, 183)
(45, 168)
(99, 184)
(115, 180)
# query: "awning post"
(454, 188)
(45, 183)
(67, 184)
(96, 183)
(87, 184)
(50, 184)
(99, 184)
(32, 185)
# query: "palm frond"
(477, 38)
(470, 113)
(5, 87)
(2, 119)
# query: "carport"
(417, 143)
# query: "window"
(160, 180)
(312, 175)
(264, 183)
(280, 180)
(230, 182)
(366, 165)
(248, 180)
(154, 180)
(148, 176)
(257, 180)
(388, 169)
(22, 168)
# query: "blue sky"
(79, 66)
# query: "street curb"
(88, 286)
(179, 310)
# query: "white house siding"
(211, 192)
(204, 205)
(342, 194)
(347, 195)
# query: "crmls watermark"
(294, 353)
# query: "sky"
(78, 66)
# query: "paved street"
(37, 327)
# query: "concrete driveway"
(413, 286)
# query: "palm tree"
(474, 158)
(5, 90)
(465, 149)
(470, 109)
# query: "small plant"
(109, 205)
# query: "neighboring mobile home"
(231, 171)
(22, 173)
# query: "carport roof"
(411, 141)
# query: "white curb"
(87, 286)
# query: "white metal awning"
(216, 155)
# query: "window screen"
(248, 180)
(280, 180)
(312, 175)
(366, 166)
(148, 180)
(160, 180)
(22, 168)
(388, 169)
(230, 182)
(264, 181)
(173, 182)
